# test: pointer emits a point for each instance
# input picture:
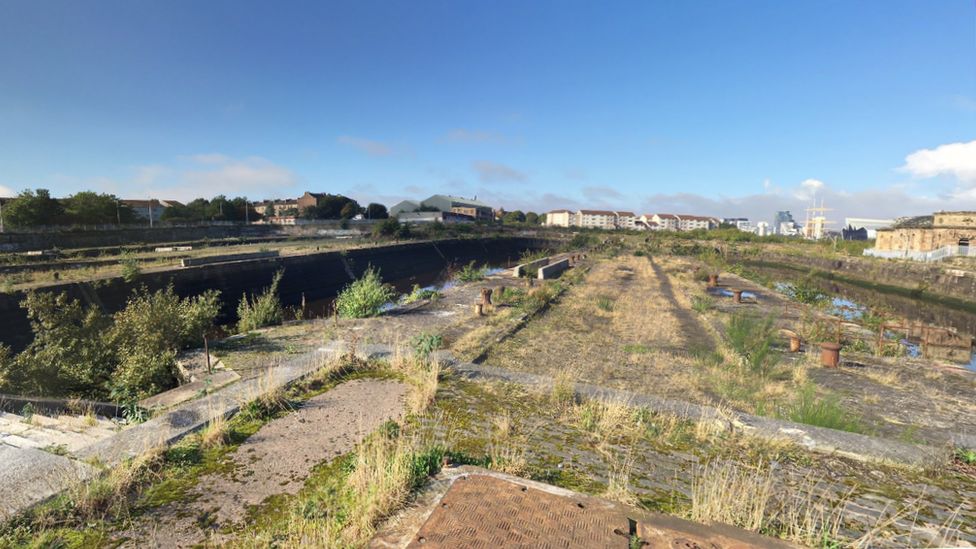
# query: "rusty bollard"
(794, 343)
(479, 309)
(830, 354)
(736, 296)
(486, 297)
(712, 280)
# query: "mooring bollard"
(712, 280)
(479, 309)
(794, 343)
(736, 296)
(486, 297)
(830, 354)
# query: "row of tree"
(35, 208)
(517, 217)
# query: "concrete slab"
(554, 269)
(28, 477)
(190, 416)
(189, 391)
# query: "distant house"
(665, 221)
(431, 217)
(596, 219)
(280, 206)
(626, 220)
(309, 200)
(149, 210)
(474, 209)
(560, 218)
(693, 222)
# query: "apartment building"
(560, 218)
(665, 221)
(626, 220)
(596, 219)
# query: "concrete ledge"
(530, 266)
(815, 439)
(29, 477)
(227, 258)
(189, 391)
(196, 414)
(553, 270)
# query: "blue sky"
(722, 108)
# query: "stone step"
(43, 431)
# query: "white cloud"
(956, 160)
(368, 146)
(203, 175)
(6, 191)
(494, 172)
(809, 188)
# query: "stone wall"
(925, 277)
(317, 276)
(67, 239)
(923, 239)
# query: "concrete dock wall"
(553, 270)
(318, 276)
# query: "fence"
(930, 256)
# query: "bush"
(425, 344)
(130, 267)
(471, 273)
(752, 338)
(148, 334)
(420, 294)
(364, 297)
(391, 228)
(262, 310)
(68, 356)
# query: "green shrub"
(752, 339)
(420, 294)
(262, 310)
(68, 356)
(425, 344)
(364, 297)
(804, 292)
(149, 332)
(605, 303)
(824, 411)
(471, 273)
(391, 228)
(130, 267)
(966, 455)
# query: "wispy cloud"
(494, 172)
(6, 191)
(963, 103)
(204, 175)
(461, 135)
(368, 146)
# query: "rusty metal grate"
(483, 511)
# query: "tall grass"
(826, 411)
(364, 297)
(262, 310)
(471, 273)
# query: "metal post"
(881, 331)
(206, 349)
(1, 216)
(150, 212)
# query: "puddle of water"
(728, 293)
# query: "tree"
(376, 211)
(91, 208)
(532, 218)
(32, 209)
(542, 219)
(270, 210)
(350, 210)
(513, 217)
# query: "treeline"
(519, 217)
(37, 208)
